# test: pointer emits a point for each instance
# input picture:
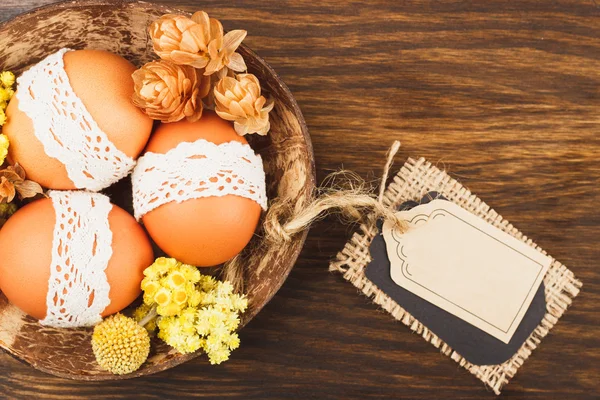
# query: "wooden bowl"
(287, 153)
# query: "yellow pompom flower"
(7, 79)
(120, 345)
(4, 143)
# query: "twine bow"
(355, 202)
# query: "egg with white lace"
(199, 190)
(71, 123)
(73, 258)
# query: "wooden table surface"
(504, 95)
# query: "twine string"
(352, 200)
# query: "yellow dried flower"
(179, 333)
(190, 273)
(150, 289)
(180, 297)
(4, 143)
(169, 310)
(239, 99)
(232, 321)
(195, 298)
(162, 297)
(176, 279)
(232, 341)
(161, 266)
(120, 345)
(197, 41)
(6, 94)
(7, 79)
(217, 356)
(239, 303)
(224, 289)
(168, 92)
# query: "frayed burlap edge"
(415, 179)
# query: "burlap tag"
(415, 179)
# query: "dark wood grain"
(504, 95)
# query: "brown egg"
(26, 249)
(103, 82)
(206, 231)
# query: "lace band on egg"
(66, 129)
(195, 170)
(81, 248)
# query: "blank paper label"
(465, 266)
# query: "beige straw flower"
(238, 99)
(170, 92)
(198, 41)
(222, 52)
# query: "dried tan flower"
(13, 182)
(169, 92)
(198, 42)
(7, 190)
(222, 52)
(238, 99)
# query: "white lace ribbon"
(66, 129)
(196, 170)
(81, 249)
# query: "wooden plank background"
(504, 95)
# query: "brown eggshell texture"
(26, 249)
(102, 80)
(206, 231)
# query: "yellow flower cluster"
(171, 286)
(195, 311)
(3, 143)
(7, 80)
